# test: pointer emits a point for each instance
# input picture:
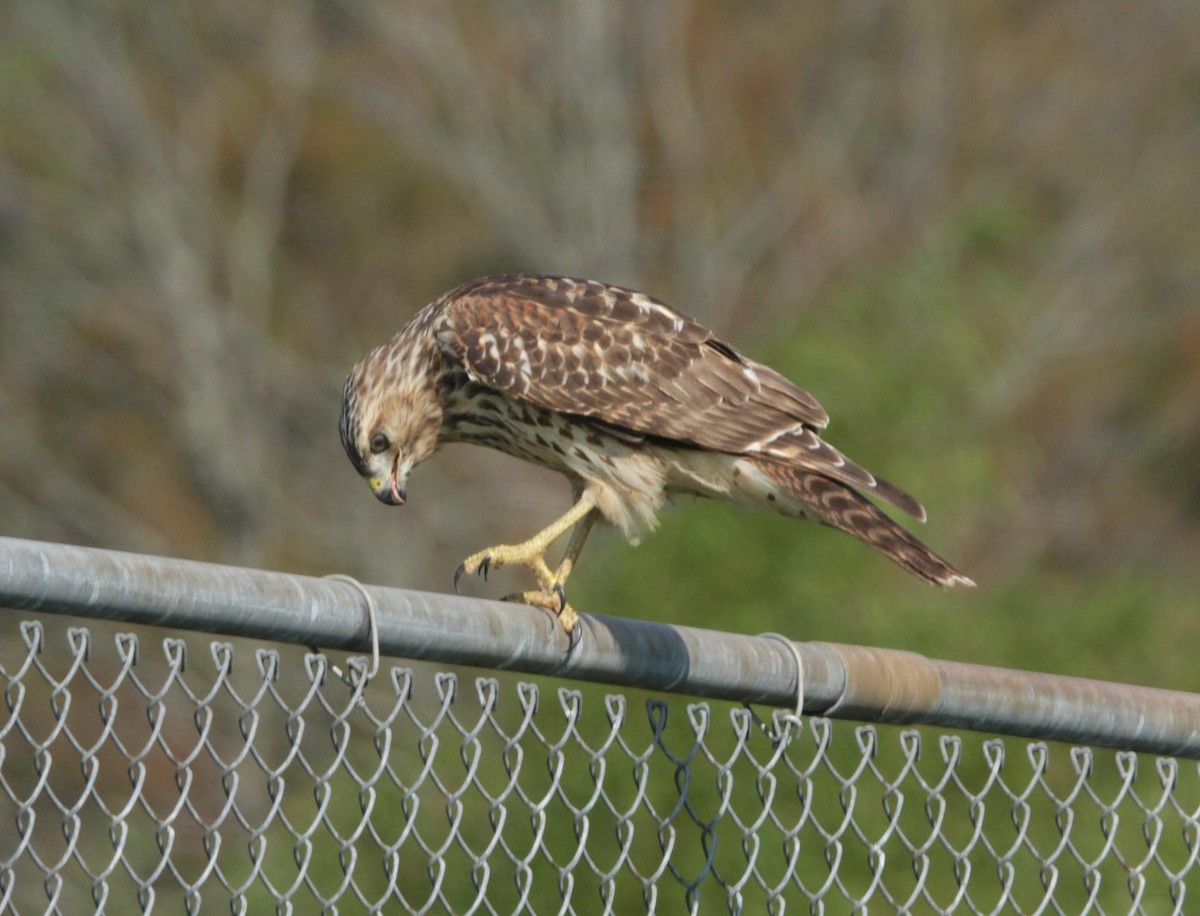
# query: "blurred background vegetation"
(972, 230)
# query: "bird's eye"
(379, 443)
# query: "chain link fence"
(138, 774)
(187, 775)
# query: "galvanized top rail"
(851, 682)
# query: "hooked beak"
(396, 494)
(388, 490)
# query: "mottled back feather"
(636, 367)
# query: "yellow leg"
(575, 546)
(554, 598)
(532, 555)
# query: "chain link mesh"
(180, 779)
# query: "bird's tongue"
(397, 495)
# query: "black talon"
(575, 637)
(562, 597)
(462, 568)
(485, 566)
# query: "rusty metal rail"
(851, 682)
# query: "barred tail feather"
(839, 506)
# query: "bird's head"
(391, 418)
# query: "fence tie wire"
(797, 713)
(372, 622)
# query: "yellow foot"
(506, 555)
(554, 600)
(550, 596)
(532, 555)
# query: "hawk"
(630, 399)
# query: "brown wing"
(628, 362)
